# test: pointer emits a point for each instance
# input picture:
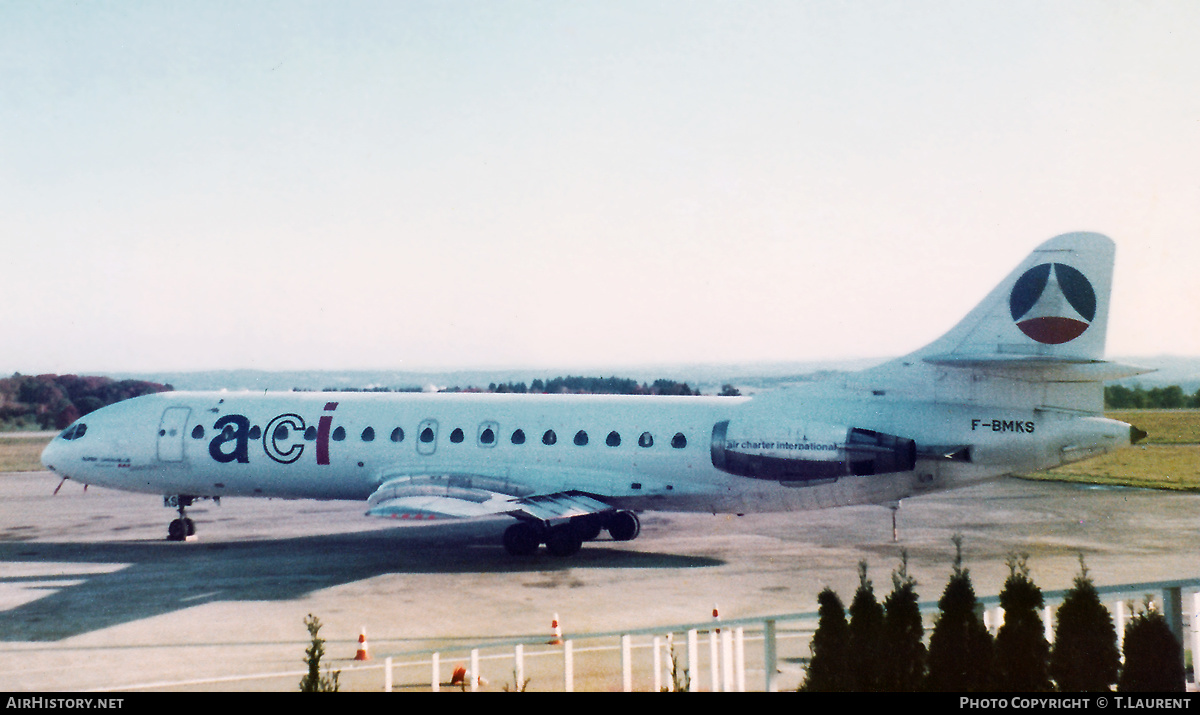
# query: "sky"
(431, 185)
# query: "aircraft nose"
(50, 454)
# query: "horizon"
(216, 186)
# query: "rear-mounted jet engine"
(814, 452)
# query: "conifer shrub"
(1153, 657)
(960, 648)
(1022, 651)
(829, 669)
(1084, 657)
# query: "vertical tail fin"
(1037, 340)
(1052, 309)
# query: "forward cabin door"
(170, 433)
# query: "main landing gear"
(565, 539)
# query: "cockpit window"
(75, 431)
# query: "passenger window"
(198, 432)
(518, 437)
(679, 441)
(310, 434)
(281, 433)
(646, 440)
(368, 435)
(456, 436)
(549, 437)
(397, 435)
(427, 435)
(255, 432)
(339, 434)
(581, 438)
(614, 439)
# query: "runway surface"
(92, 596)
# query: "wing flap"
(468, 497)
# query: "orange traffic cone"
(362, 653)
(557, 639)
(460, 675)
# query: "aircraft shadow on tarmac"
(160, 577)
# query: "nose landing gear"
(183, 528)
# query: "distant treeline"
(55, 401)
(1117, 397)
(570, 385)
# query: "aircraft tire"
(588, 527)
(521, 539)
(624, 526)
(563, 541)
(190, 527)
(177, 530)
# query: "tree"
(866, 631)
(903, 631)
(1085, 656)
(1022, 652)
(314, 682)
(960, 647)
(1153, 658)
(828, 671)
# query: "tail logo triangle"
(1053, 303)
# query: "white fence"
(761, 653)
(715, 656)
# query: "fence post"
(769, 654)
(519, 666)
(1048, 623)
(474, 669)
(1172, 608)
(693, 646)
(626, 664)
(739, 658)
(657, 664)
(568, 667)
(727, 660)
(1122, 619)
(714, 661)
(1196, 638)
(436, 678)
(387, 674)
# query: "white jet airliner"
(1015, 387)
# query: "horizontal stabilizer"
(1040, 369)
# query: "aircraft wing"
(464, 496)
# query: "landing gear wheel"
(563, 541)
(183, 527)
(178, 530)
(588, 527)
(521, 539)
(623, 526)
